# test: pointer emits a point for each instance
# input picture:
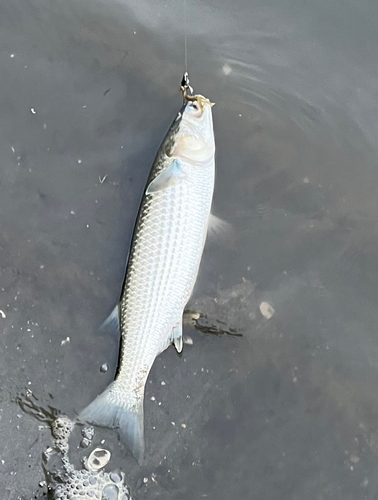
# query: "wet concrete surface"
(87, 91)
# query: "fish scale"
(165, 255)
(149, 310)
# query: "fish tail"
(116, 409)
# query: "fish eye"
(194, 105)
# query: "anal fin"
(176, 336)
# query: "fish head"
(195, 136)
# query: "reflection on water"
(287, 410)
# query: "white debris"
(79, 161)
(98, 459)
(145, 480)
(183, 426)
(188, 340)
(162, 382)
(354, 459)
(153, 398)
(12, 56)
(2, 314)
(66, 341)
(266, 310)
(102, 179)
(226, 69)
(33, 111)
(306, 180)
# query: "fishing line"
(185, 40)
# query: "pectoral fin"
(176, 337)
(170, 176)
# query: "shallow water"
(87, 91)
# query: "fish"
(164, 259)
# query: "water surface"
(87, 92)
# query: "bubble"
(104, 368)
(89, 483)
(61, 427)
(110, 492)
(62, 447)
(116, 478)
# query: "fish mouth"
(187, 93)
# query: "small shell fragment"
(84, 443)
(98, 459)
(266, 310)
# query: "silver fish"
(165, 255)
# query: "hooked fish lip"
(200, 99)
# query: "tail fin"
(113, 410)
